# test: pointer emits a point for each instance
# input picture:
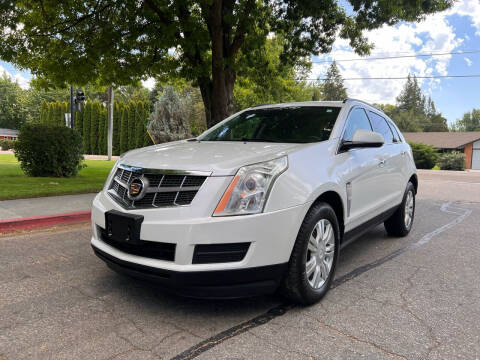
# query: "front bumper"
(220, 284)
(271, 236)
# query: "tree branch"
(239, 38)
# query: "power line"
(400, 56)
(404, 77)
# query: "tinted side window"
(356, 120)
(380, 125)
(395, 132)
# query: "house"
(466, 142)
(8, 134)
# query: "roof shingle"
(443, 140)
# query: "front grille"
(164, 188)
(149, 249)
(219, 253)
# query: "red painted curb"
(35, 222)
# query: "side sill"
(355, 233)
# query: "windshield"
(302, 124)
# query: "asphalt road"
(410, 298)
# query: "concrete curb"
(35, 222)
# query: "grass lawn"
(14, 184)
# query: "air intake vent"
(148, 249)
(219, 253)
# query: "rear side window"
(380, 125)
(357, 119)
(395, 132)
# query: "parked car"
(264, 200)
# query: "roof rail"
(364, 102)
(262, 105)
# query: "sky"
(454, 30)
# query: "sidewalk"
(24, 208)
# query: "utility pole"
(110, 122)
(72, 108)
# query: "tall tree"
(271, 80)
(11, 108)
(469, 122)
(332, 87)
(411, 98)
(118, 42)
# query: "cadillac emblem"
(137, 188)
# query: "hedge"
(425, 156)
(129, 124)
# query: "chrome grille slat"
(173, 189)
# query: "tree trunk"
(218, 97)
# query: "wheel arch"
(414, 180)
(333, 199)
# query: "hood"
(220, 157)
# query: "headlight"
(249, 189)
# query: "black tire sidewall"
(318, 212)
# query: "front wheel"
(314, 256)
(400, 223)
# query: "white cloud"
(433, 35)
(21, 80)
(468, 61)
(149, 83)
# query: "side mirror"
(363, 139)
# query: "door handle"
(381, 163)
(403, 153)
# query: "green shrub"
(425, 156)
(452, 161)
(6, 144)
(49, 150)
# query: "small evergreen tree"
(139, 123)
(332, 88)
(105, 131)
(147, 141)
(87, 117)
(43, 113)
(51, 114)
(124, 129)
(131, 125)
(117, 115)
(94, 124)
(169, 120)
(101, 132)
(79, 122)
(58, 113)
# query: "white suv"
(264, 200)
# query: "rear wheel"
(314, 256)
(400, 223)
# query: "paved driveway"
(411, 298)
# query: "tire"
(397, 224)
(297, 285)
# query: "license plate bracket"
(122, 227)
